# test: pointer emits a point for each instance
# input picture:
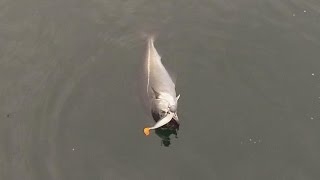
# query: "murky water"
(248, 74)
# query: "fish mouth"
(173, 124)
(159, 124)
(163, 121)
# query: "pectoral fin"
(178, 97)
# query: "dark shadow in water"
(166, 131)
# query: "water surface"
(248, 74)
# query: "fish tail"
(148, 36)
(151, 39)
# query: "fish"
(158, 89)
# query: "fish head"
(165, 103)
(160, 107)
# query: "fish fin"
(149, 36)
(178, 97)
